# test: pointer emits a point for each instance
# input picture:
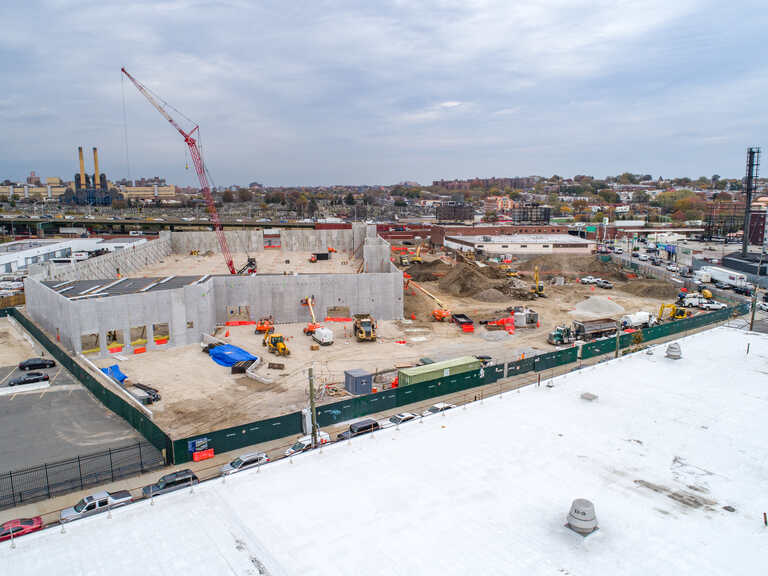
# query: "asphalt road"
(58, 376)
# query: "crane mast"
(197, 160)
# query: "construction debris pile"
(596, 307)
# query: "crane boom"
(197, 159)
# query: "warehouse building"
(19, 255)
(520, 244)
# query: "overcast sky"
(374, 92)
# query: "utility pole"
(618, 338)
(312, 405)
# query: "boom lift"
(202, 175)
(310, 328)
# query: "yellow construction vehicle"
(675, 313)
(538, 286)
(275, 343)
(364, 328)
(417, 257)
(514, 274)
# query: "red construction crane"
(199, 168)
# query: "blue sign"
(197, 444)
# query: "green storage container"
(417, 374)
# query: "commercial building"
(454, 212)
(497, 203)
(438, 233)
(520, 244)
(669, 452)
(19, 255)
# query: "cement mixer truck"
(638, 320)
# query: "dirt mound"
(428, 271)
(597, 307)
(574, 266)
(652, 289)
(465, 280)
(491, 295)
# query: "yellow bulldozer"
(364, 328)
(275, 343)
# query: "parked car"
(618, 251)
(745, 290)
(36, 364)
(170, 482)
(762, 306)
(19, 527)
(722, 285)
(604, 284)
(712, 305)
(673, 268)
(359, 428)
(486, 360)
(437, 408)
(243, 462)
(635, 254)
(643, 258)
(655, 261)
(402, 417)
(29, 378)
(305, 443)
(589, 280)
(95, 503)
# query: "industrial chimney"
(82, 167)
(96, 179)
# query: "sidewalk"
(207, 469)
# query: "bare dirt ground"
(13, 347)
(199, 395)
(269, 262)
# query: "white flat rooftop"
(483, 490)
(518, 238)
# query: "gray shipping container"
(358, 381)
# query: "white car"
(397, 419)
(673, 268)
(243, 462)
(305, 443)
(589, 280)
(437, 408)
(643, 257)
(712, 305)
(762, 306)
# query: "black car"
(170, 482)
(36, 364)
(29, 378)
(359, 428)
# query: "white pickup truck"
(95, 503)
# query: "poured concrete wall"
(380, 295)
(251, 240)
(316, 240)
(124, 262)
(205, 305)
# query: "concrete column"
(10, 192)
(150, 337)
(26, 191)
(127, 339)
(103, 342)
(50, 193)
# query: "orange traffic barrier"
(202, 455)
(140, 350)
(239, 323)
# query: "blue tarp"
(114, 372)
(228, 355)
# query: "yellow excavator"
(675, 313)
(538, 285)
(417, 257)
(275, 343)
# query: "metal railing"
(56, 478)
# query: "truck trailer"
(730, 277)
(584, 330)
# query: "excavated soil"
(428, 271)
(572, 266)
(652, 289)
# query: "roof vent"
(581, 519)
(674, 352)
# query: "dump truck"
(364, 328)
(638, 320)
(582, 330)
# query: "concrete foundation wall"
(238, 241)
(376, 255)
(197, 308)
(124, 262)
(380, 295)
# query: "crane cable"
(125, 129)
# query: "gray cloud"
(320, 92)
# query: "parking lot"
(55, 423)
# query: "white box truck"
(730, 277)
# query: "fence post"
(111, 467)
(13, 491)
(141, 460)
(80, 472)
(47, 482)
